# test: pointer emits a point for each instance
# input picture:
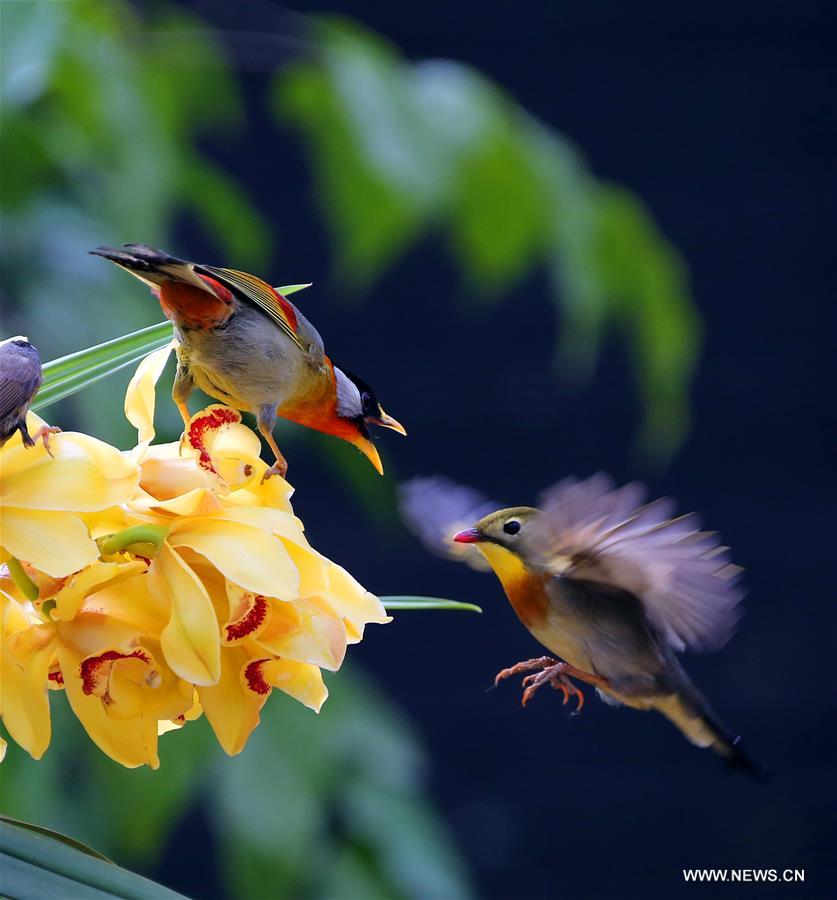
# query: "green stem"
(22, 581)
(150, 536)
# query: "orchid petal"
(83, 475)
(301, 681)
(274, 493)
(140, 398)
(24, 699)
(247, 556)
(320, 640)
(232, 710)
(57, 543)
(124, 604)
(71, 596)
(197, 502)
(356, 605)
(166, 474)
(191, 640)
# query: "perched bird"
(243, 343)
(612, 587)
(20, 378)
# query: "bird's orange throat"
(524, 588)
(316, 407)
(320, 413)
(190, 307)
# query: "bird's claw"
(553, 672)
(569, 689)
(278, 468)
(555, 676)
(541, 662)
(43, 434)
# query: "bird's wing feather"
(682, 575)
(435, 508)
(20, 378)
(262, 295)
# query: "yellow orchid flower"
(106, 656)
(197, 593)
(43, 497)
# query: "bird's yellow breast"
(524, 588)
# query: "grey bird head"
(513, 529)
(21, 342)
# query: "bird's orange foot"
(553, 672)
(540, 662)
(43, 434)
(554, 675)
(280, 468)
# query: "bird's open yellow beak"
(368, 449)
(386, 421)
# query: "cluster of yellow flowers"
(159, 584)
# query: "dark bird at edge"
(20, 378)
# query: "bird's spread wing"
(434, 509)
(20, 378)
(681, 575)
(263, 295)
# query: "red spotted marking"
(249, 622)
(56, 677)
(254, 678)
(95, 670)
(216, 418)
(180, 720)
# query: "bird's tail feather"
(690, 713)
(151, 265)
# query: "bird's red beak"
(468, 536)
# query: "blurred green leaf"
(369, 812)
(371, 219)
(648, 286)
(407, 602)
(36, 864)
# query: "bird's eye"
(367, 403)
(512, 526)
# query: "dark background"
(720, 116)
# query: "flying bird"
(20, 378)
(613, 587)
(243, 343)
